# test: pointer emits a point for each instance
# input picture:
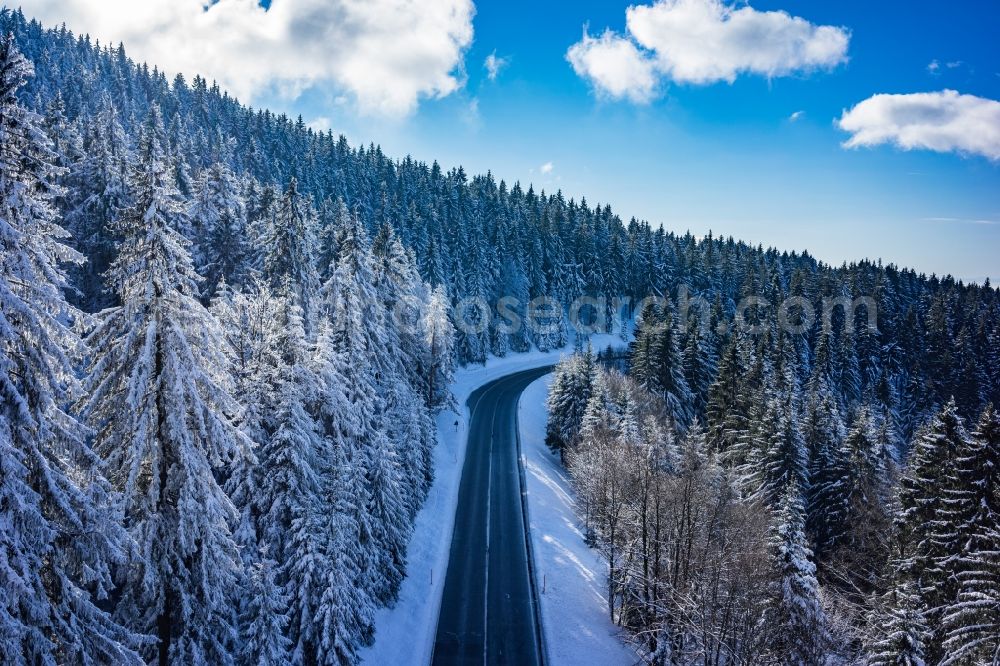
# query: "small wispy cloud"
(796, 116)
(494, 64)
(470, 114)
(960, 220)
(935, 66)
(546, 168)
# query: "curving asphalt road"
(489, 613)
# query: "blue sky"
(694, 156)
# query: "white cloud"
(797, 115)
(320, 124)
(934, 67)
(703, 42)
(385, 55)
(614, 66)
(941, 121)
(494, 64)
(546, 168)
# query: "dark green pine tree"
(747, 422)
(700, 364)
(641, 358)
(993, 359)
(823, 433)
(657, 364)
(668, 369)
(856, 495)
(939, 348)
(969, 375)
(331, 216)
(724, 414)
(100, 192)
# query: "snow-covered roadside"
(404, 633)
(574, 610)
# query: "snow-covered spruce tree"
(471, 338)
(264, 619)
(733, 422)
(261, 200)
(838, 474)
(343, 618)
(290, 248)
(925, 526)
(847, 363)
(402, 296)
(219, 219)
(993, 357)
(59, 533)
(772, 454)
(162, 424)
(897, 629)
(778, 457)
(238, 316)
(289, 507)
(801, 635)
(344, 615)
(359, 335)
(67, 146)
(245, 319)
(439, 338)
(972, 621)
(331, 217)
(567, 401)
(99, 192)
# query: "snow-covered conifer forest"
(789, 521)
(224, 337)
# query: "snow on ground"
(404, 633)
(575, 620)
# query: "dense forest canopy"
(790, 528)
